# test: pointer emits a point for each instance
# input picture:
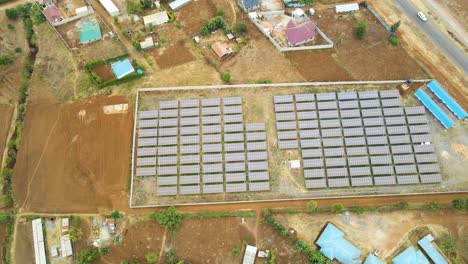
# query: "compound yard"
(258, 106)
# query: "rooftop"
(297, 33)
(122, 68)
(52, 13)
(89, 32)
(221, 49)
(410, 256)
(334, 246)
(156, 18)
(431, 250)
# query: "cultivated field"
(286, 183)
(23, 243)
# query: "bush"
(11, 27)
(151, 257)
(447, 243)
(361, 29)
(435, 206)
(358, 209)
(104, 251)
(271, 259)
(213, 25)
(394, 41)
(226, 77)
(18, 50)
(240, 27)
(39, 18)
(75, 234)
(134, 7)
(116, 214)
(169, 218)
(403, 205)
(395, 26)
(460, 203)
(311, 206)
(337, 208)
(6, 59)
(220, 12)
(316, 257)
(86, 256)
(235, 251)
(11, 13)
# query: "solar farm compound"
(230, 146)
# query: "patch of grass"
(201, 215)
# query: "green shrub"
(169, 218)
(395, 26)
(151, 257)
(213, 25)
(75, 234)
(134, 7)
(39, 18)
(18, 50)
(240, 27)
(116, 214)
(358, 209)
(10, 26)
(311, 206)
(403, 205)
(86, 256)
(447, 243)
(235, 251)
(104, 251)
(337, 208)
(6, 59)
(394, 41)
(361, 29)
(12, 13)
(460, 203)
(271, 259)
(435, 206)
(226, 77)
(220, 12)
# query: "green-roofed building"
(90, 32)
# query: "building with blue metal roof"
(434, 108)
(89, 32)
(431, 250)
(334, 246)
(122, 68)
(250, 4)
(410, 256)
(451, 104)
(372, 259)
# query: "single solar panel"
(212, 188)
(215, 129)
(233, 109)
(187, 112)
(353, 122)
(378, 140)
(287, 135)
(212, 158)
(393, 111)
(358, 161)
(314, 173)
(368, 95)
(254, 127)
(149, 161)
(379, 150)
(211, 148)
(172, 150)
(215, 110)
(284, 107)
(306, 124)
(256, 136)
(145, 142)
(306, 115)
(254, 156)
(280, 99)
(315, 183)
(186, 140)
(385, 180)
(189, 121)
(167, 131)
(146, 152)
(190, 149)
(150, 114)
(401, 139)
(236, 118)
(151, 132)
(257, 165)
(372, 103)
(258, 176)
(389, 94)
(228, 128)
(335, 162)
(310, 143)
(361, 181)
(332, 142)
(402, 149)
(431, 178)
(236, 156)
(403, 159)
(373, 121)
(190, 130)
(256, 146)
(166, 190)
(189, 179)
(330, 123)
(168, 113)
(311, 153)
(236, 177)
(145, 123)
(382, 170)
(171, 180)
(307, 106)
(415, 110)
(348, 104)
(313, 163)
(305, 97)
(189, 189)
(170, 122)
(233, 147)
(428, 168)
(326, 105)
(337, 172)
(167, 170)
(421, 138)
(405, 169)
(236, 187)
(212, 178)
(395, 120)
(334, 152)
(371, 112)
(211, 102)
(416, 120)
(424, 148)
(211, 138)
(190, 169)
(146, 171)
(391, 102)
(350, 113)
(173, 104)
(381, 160)
(259, 186)
(167, 160)
(212, 168)
(347, 96)
(326, 96)
(189, 103)
(420, 129)
(353, 131)
(332, 132)
(355, 141)
(407, 179)
(286, 125)
(233, 137)
(328, 114)
(356, 151)
(287, 116)
(339, 182)
(288, 144)
(235, 166)
(167, 141)
(232, 101)
(397, 130)
(189, 159)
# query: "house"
(89, 32)
(250, 5)
(178, 4)
(333, 245)
(298, 34)
(221, 50)
(52, 14)
(249, 255)
(147, 43)
(81, 10)
(155, 19)
(66, 246)
(372, 259)
(410, 256)
(426, 244)
(110, 7)
(347, 8)
(122, 68)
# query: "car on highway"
(422, 16)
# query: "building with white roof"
(156, 19)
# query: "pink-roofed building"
(53, 15)
(298, 34)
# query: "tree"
(151, 257)
(147, 3)
(435, 206)
(358, 209)
(116, 214)
(395, 26)
(361, 29)
(219, 12)
(337, 208)
(75, 234)
(6, 59)
(18, 50)
(226, 77)
(235, 251)
(86, 256)
(134, 7)
(460, 203)
(39, 18)
(240, 27)
(271, 259)
(11, 13)
(104, 251)
(11, 27)
(447, 243)
(311, 206)
(394, 41)
(169, 217)
(307, 2)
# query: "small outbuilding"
(110, 7)
(294, 164)
(66, 246)
(81, 10)
(156, 19)
(89, 32)
(178, 4)
(221, 50)
(249, 255)
(147, 43)
(122, 68)
(52, 14)
(249, 5)
(347, 8)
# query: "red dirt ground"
(172, 56)
(2, 239)
(5, 121)
(69, 163)
(104, 71)
(24, 247)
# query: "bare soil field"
(73, 157)
(5, 122)
(173, 56)
(23, 248)
(382, 231)
(3, 238)
(104, 71)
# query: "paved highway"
(433, 32)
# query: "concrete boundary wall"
(70, 19)
(238, 86)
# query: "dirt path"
(234, 14)
(161, 251)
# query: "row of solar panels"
(329, 105)
(370, 181)
(349, 124)
(204, 129)
(315, 158)
(191, 103)
(212, 188)
(336, 96)
(195, 149)
(213, 178)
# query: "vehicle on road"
(422, 16)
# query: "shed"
(347, 8)
(81, 10)
(249, 255)
(147, 43)
(294, 164)
(178, 4)
(297, 13)
(298, 34)
(65, 224)
(66, 246)
(38, 237)
(431, 250)
(334, 246)
(53, 15)
(249, 5)
(221, 50)
(156, 19)
(410, 256)
(89, 32)
(110, 7)
(122, 68)
(230, 36)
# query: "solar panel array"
(201, 147)
(357, 138)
